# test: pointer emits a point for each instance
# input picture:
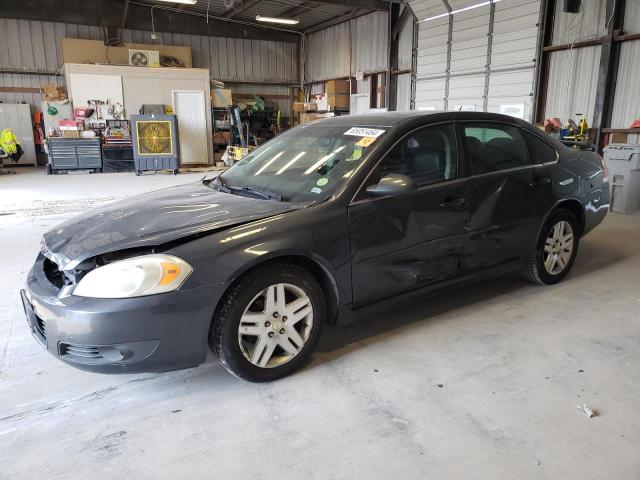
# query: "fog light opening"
(112, 354)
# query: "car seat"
(502, 153)
(427, 164)
(475, 149)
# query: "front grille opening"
(41, 327)
(53, 273)
(91, 353)
(88, 352)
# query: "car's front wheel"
(556, 249)
(269, 323)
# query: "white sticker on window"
(316, 190)
(364, 132)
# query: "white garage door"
(480, 59)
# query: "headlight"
(135, 277)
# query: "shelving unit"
(220, 115)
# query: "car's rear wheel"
(269, 323)
(556, 249)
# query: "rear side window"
(494, 147)
(539, 150)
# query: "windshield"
(303, 164)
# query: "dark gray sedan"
(321, 224)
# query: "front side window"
(428, 156)
(494, 147)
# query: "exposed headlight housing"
(135, 277)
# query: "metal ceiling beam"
(125, 12)
(366, 4)
(608, 69)
(336, 20)
(108, 14)
(298, 10)
(238, 9)
(395, 23)
(401, 21)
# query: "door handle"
(457, 202)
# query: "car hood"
(153, 219)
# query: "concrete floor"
(482, 383)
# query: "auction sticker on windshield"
(365, 141)
(364, 132)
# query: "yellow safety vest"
(8, 141)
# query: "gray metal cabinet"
(74, 154)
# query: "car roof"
(394, 119)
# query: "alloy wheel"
(276, 325)
(558, 247)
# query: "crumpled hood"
(153, 219)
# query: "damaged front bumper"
(161, 332)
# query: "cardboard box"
(54, 93)
(338, 100)
(222, 137)
(310, 117)
(334, 87)
(70, 134)
(618, 138)
(304, 106)
(221, 98)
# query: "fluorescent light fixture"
(188, 2)
(465, 9)
(285, 21)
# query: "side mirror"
(391, 184)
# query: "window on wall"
(494, 147)
(428, 156)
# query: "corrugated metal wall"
(327, 51)
(573, 74)
(35, 46)
(588, 23)
(233, 59)
(626, 105)
(490, 64)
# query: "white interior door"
(190, 108)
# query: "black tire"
(223, 334)
(534, 270)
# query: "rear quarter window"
(539, 150)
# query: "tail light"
(605, 170)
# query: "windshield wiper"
(260, 192)
(221, 187)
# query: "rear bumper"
(146, 334)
